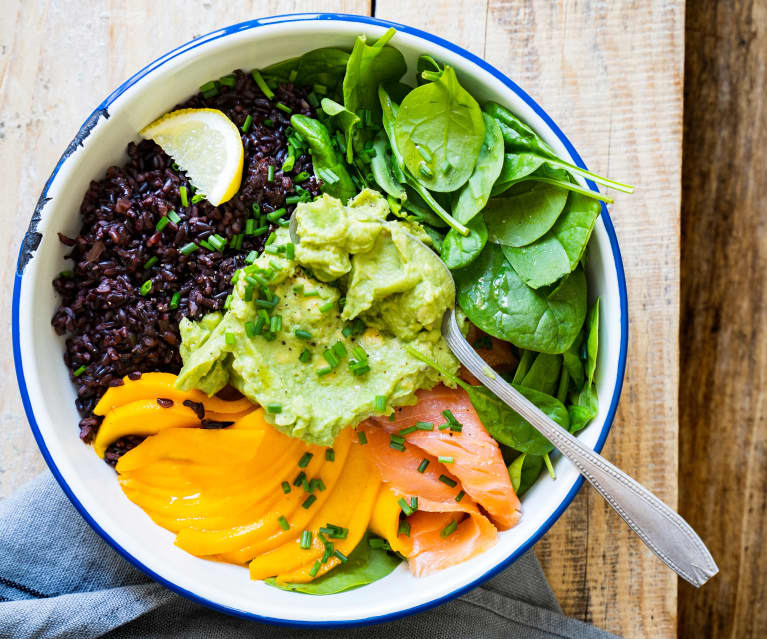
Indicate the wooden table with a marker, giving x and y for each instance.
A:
(610, 74)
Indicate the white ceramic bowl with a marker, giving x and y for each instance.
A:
(48, 394)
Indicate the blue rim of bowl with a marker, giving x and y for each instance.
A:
(302, 17)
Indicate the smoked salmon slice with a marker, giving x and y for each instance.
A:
(477, 460)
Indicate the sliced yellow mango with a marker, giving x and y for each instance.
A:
(348, 495)
(154, 385)
(384, 520)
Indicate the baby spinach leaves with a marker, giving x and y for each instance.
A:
(592, 341)
(473, 196)
(328, 166)
(516, 167)
(440, 130)
(496, 299)
(324, 67)
(343, 120)
(369, 67)
(523, 472)
(381, 166)
(461, 250)
(543, 374)
(558, 252)
(523, 217)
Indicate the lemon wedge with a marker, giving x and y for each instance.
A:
(204, 143)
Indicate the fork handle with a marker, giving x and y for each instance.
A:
(663, 530)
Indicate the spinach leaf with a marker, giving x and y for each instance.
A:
(592, 341)
(363, 566)
(461, 250)
(426, 63)
(381, 167)
(516, 167)
(398, 90)
(495, 298)
(543, 375)
(325, 66)
(508, 427)
(583, 408)
(523, 472)
(439, 131)
(281, 70)
(344, 121)
(522, 218)
(370, 66)
(525, 361)
(436, 238)
(418, 207)
(558, 252)
(473, 196)
(564, 385)
(390, 112)
(330, 168)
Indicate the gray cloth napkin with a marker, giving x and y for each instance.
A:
(58, 578)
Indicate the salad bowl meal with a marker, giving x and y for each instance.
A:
(244, 259)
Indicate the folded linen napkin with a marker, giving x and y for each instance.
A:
(59, 579)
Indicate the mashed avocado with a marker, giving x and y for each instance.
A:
(327, 361)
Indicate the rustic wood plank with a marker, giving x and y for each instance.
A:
(723, 404)
(604, 72)
(57, 61)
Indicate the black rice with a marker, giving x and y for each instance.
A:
(113, 330)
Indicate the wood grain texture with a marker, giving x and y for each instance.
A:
(723, 403)
(604, 72)
(601, 70)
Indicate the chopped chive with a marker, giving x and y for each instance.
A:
(445, 460)
(340, 555)
(375, 542)
(425, 153)
(408, 430)
(330, 357)
(327, 306)
(328, 175)
(425, 170)
(174, 217)
(330, 455)
(191, 247)
(246, 125)
(256, 74)
(358, 351)
(267, 303)
(449, 529)
(261, 230)
(292, 199)
(320, 88)
(208, 86)
(228, 301)
(250, 226)
(290, 251)
(276, 215)
(79, 371)
(315, 569)
(270, 174)
(306, 540)
(335, 532)
(397, 438)
(251, 257)
(284, 107)
(151, 262)
(229, 339)
(227, 81)
(211, 93)
(268, 122)
(362, 437)
(162, 223)
(300, 478)
(423, 465)
(283, 523)
(404, 528)
(66, 274)
(380, 403)
(405, 507)
(311, 293)
(460, 496)
(446, 480)
(392, 417)
(397, 446)
(360, 368)
(285, 487)
(456, 428)
(206, 245)
(174, 300)
(260, 323)
(248, 295)
(302, 334)
(301, 177)
(443, 426)
(321, 372)
(339, 349)
(424, 425)
(447, 167)
(274, 409)
(275, 324)
(198, 197)
(182, 194)
(305, 458)
(256, 208)
(305, 356)
(309, 501)
(146, 287)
